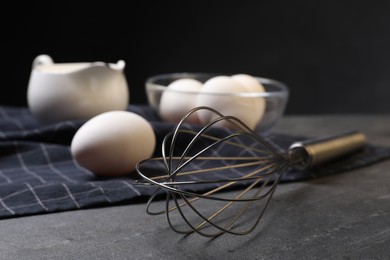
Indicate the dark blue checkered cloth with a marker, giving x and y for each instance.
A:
(38, 174)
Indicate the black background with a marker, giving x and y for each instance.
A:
(333, 55)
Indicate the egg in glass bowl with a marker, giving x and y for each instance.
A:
(257, 101)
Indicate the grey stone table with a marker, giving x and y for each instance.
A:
(344, 216)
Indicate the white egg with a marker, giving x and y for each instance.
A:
(250, 82)
(110, 144)
(253, 85)
(215, 94)
(178, 99)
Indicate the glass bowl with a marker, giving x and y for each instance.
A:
(274, 98)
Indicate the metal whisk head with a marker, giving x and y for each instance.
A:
(196, 168)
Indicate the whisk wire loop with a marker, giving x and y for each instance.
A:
(199, 147)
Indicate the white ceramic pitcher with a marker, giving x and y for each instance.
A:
(68, 91)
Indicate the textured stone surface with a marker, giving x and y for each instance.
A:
(345, 216)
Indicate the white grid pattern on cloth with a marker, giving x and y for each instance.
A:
(58, 199)
(23, 164)
(51, 165)
(8, 180)
(102, 191)
(6, 207)
(38, 174)
(36, 197)
(70, 195)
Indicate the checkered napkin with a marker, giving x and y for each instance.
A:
(38, 174)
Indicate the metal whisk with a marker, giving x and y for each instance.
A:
(195, 168)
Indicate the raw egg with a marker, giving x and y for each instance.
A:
(178, 99)
(228, 96)
(250, 82)
(253, 85)
(112, 143)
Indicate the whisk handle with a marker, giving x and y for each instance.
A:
(310, 153)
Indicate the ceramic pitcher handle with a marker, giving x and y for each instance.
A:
(42, 59)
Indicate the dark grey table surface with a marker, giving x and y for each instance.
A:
(344, 216)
